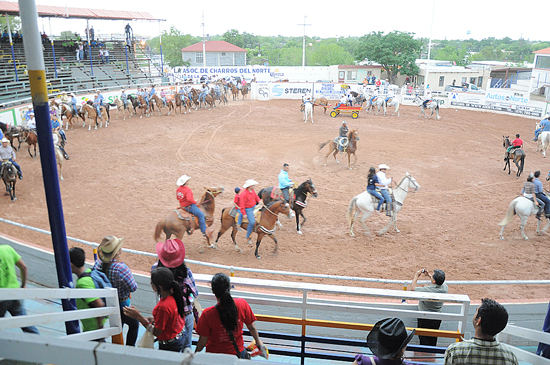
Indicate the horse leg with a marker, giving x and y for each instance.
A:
(349, 160)
(522, 227)
(363, 221)
(298, 222)
(352, 222)
(547, 225)
(258, 241)
(502, 231)
(233, 234)
(276, 243)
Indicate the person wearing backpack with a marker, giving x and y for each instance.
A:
(85, 281)
(120, 276)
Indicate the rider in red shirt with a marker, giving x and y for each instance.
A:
(516, 143)
(249, 199)
(187, 202)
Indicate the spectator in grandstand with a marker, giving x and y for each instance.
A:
(9, 259)
(220, 327)
(85, 281)
(489, 320)
(101, 56)
(171, 255)
(7, 153)
(92, 33)
(109, 262)
(539, 192)
(168, 324)
(437, 285)
(106, 55)
(128, 31)
(388, 341)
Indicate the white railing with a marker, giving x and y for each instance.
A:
(526, 334)
(62, 351)
(111, 310)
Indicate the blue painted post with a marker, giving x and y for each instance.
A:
(11, 45)
(127, 66)
(54, 61)
(89, 47)
(39, 92)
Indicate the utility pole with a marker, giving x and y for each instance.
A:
(203, 43)
(304, 45)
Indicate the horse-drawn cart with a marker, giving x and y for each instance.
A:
(353, 110)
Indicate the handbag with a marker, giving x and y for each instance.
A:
(147, 340)
(245, 354)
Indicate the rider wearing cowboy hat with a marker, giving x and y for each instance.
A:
(185, 197)
(248, 201)
(7, 153)
(343, 133)
(384, 181)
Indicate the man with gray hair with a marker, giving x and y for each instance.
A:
(437, 285)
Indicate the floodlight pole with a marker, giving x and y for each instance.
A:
(429, 47)
(203, 44)
(304, 43)
(89, 46)
(11, 45)
(161, 58)
(39, 92)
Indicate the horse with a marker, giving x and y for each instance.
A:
(234, 91)
(524, 208)
(91, 113)
(142, 105)
(135, 104)
(298, 201)
(543, 142)
(179, 103)
(365, 204)
(158, 101)
(350, 148)
(517, 155)
(308, 111)
(221, 98)
(358, 98)
(9, 176)
(66, 111)
(378, 102)
(121, 109)
(29, 136)
(11, 132)
(195, 98)
(209, 99)
(321, 102)
(59, 157)
(245, 90)
(432, 105)
(393, 102)
(176, 224)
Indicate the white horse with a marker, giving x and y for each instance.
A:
(393, 102)
(524, 208)
(308, 111)
(58, 155)
(378, 102)
(543, 142)
(432, 105)
(365, 203)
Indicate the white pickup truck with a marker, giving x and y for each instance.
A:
(466, 87)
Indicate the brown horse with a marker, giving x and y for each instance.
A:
(29, 136)
(9, 175)
(91, 113)
(142, 106)
(11, 132)
(517, 155)
(120, 108)
(234, 91)
(264, 226)
(160, 104)
(245, 90)
(349, 149)
(195, 98)
(178, 221)
(321, 102)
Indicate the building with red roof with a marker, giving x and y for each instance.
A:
(541, 72)
(218, 53)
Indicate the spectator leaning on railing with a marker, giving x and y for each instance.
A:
(437, 286)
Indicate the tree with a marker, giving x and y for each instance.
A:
(15, 23)
(395, 51)
(452, 53)
(330, 54)
(172, 44)
(232, 36)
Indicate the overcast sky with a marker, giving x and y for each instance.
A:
(463, 19)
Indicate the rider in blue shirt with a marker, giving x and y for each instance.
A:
(373, 182)
(539, 192)
(97, 105)
(284, 182)
(544, 126)
(73, 103)
(124, 98)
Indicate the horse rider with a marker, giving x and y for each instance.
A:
(56, 127)
(529, 191)
(145, 95)
(183, 94)
(428, 98)
(384, 182)
(65, 99)
(101, 98)
(124, 98)
(539, 191)
(7, 153)
(163, 97)
(97, 105)
(31, 123)
(390, 95)
(374, 95)
(249, 199)
(204, 92)
(217, 89)
(237, 203)
(73, 104)
(544, 126)
(516, 143)
(372, 184)
(285, 183)
(152, 92)
(349, 96)
(185, 198)
(57, 143)
(343, 133)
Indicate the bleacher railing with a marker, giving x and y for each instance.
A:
(526, 334)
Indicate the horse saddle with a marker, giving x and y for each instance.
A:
(341, 141)
(184, 215)
(257, 214)
(375, 200)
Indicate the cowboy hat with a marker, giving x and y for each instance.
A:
(72, 94)
(383, 166)
(5, 140)
(171, 253)
(182, 180)
(249, 183)
(388, 337)
(344, 122)
(109, 247)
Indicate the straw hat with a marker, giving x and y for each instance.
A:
(182, 180)
(5, 140)
(383, 166)
(249, 183)
(171, 253)
(109, 247)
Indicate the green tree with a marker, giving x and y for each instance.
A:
(330, 54)
(395, 51)
(15, 23)
(172, 43)
(232, 36)
(452, 53)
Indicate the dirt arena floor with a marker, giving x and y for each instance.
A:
(121, 180)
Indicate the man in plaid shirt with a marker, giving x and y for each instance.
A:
(490, 319)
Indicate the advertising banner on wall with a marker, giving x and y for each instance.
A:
(289, 90)
(262, 73)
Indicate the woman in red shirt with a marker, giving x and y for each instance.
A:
(167, 323)
(221, 327)
(248, 201)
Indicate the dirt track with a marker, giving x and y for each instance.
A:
(122, 180)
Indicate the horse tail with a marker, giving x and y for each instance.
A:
(158, 230)
(351, 208)
(108, 113)
(521, 164)
(510, 214)
(321, 145)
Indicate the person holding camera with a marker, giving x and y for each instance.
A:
(437, 278)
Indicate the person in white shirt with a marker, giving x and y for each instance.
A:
(385, 181)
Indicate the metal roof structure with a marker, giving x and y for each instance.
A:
(214, 46)
(46, 11)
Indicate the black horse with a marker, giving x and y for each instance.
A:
(517, 155)
(11, 133)
(9, 175)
